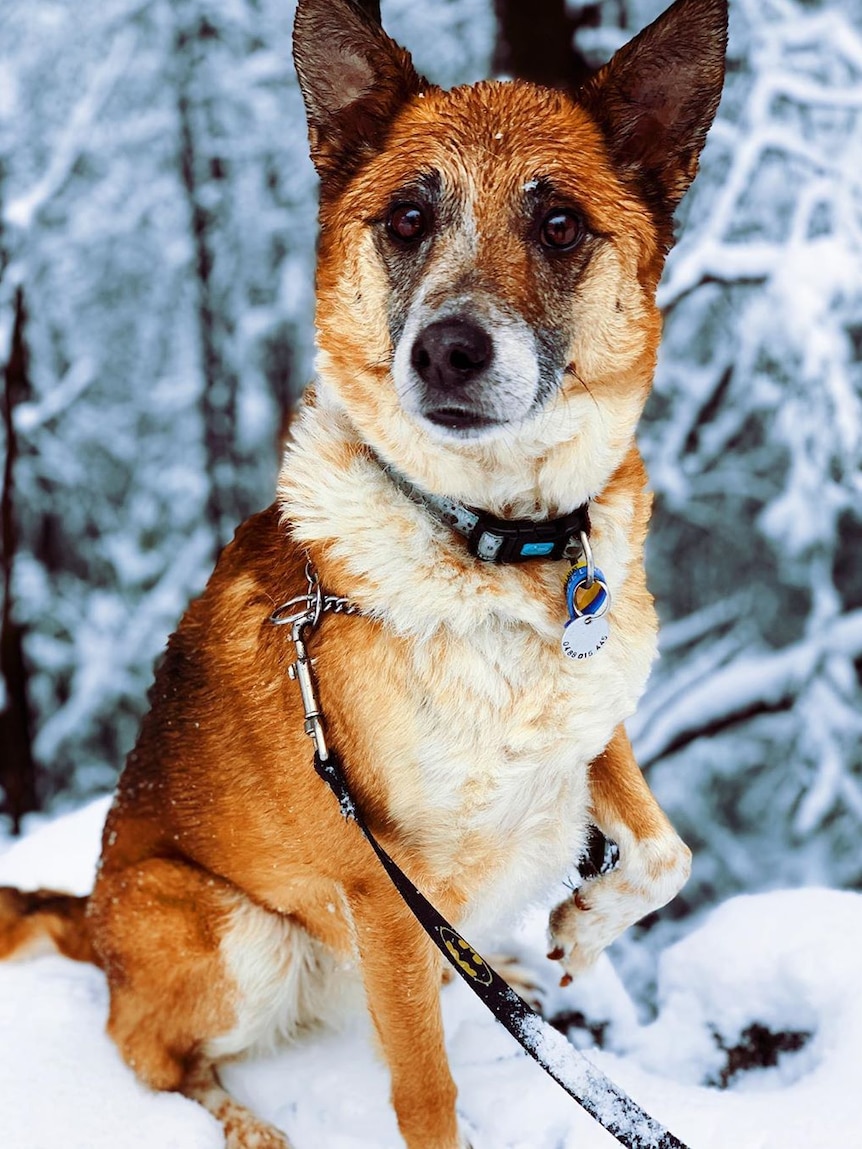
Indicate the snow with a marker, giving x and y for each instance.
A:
(120, 125)
(60, 853)
(63, 1086)
(786, 960)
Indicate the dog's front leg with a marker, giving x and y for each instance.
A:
(401, 972)
(654, 862)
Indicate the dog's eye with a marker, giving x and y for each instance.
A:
(561, 230)
(407, 222)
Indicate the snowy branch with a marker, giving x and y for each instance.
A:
(745, 685)
(23, 209)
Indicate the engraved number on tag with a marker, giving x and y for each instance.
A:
(584, 636)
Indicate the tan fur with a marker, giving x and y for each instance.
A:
(234, 905)
(43, 921)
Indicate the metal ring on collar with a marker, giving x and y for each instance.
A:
(590, 561)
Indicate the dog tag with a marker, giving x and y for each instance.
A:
(588, 601)
(584, 636)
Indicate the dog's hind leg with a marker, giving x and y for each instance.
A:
(242, 1129)
(401, 970)
(653, 866)
(159, 928)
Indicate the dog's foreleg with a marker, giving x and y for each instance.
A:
(654, 862)
(401, 971)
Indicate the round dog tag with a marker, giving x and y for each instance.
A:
(584, 636)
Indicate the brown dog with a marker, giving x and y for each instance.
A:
(487, 333)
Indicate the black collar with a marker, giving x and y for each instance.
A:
(494, 540)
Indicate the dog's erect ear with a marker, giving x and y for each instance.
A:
(353, 79)
(656, 98)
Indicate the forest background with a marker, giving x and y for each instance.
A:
(157, 226)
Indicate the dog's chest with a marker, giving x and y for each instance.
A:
(494, 786)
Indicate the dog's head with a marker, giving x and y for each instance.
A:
(489, 256)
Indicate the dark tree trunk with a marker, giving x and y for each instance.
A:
(17, 767)
(372, 7)
(203, 172)
(536, 41)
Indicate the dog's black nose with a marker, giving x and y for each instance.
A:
(449, 353)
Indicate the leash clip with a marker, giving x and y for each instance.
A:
(310, 607)
(300, 672)
(300, 614)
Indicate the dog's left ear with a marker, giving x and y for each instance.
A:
(656, 99)
(353, 80)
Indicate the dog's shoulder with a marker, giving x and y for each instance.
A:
(261, 568)
(263, 558)
(223, 715)
(225, 648)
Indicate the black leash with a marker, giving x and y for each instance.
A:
(593, 1091)
(597, 1094)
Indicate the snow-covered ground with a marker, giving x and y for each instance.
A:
(785, 963)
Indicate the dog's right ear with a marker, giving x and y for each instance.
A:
(353, 80)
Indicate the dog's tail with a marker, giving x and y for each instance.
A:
(44, 921)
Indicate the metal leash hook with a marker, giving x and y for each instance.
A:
(300, 671)
(301, 613)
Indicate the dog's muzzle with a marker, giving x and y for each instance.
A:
(466, 368)
(450, 357)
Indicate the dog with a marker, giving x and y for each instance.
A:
(487, 337)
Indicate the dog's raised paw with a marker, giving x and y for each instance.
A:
(577, 935)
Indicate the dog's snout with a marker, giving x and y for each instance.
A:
(451, 352)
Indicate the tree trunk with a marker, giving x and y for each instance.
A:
(536, 42)
(201, 174)
(17, 768)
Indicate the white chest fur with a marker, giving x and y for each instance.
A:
(506, 727)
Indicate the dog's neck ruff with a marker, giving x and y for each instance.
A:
(494, 540)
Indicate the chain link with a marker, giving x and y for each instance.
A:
(305, 609)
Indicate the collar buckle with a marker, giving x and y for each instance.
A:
(494, 540)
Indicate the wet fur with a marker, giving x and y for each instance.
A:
(234, 906)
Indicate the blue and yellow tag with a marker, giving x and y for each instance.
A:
(582, 599)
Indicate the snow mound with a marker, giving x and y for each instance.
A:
(60, 854)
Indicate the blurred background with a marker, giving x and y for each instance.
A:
(157, 227)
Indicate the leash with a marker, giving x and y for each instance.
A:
(614, 1110)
